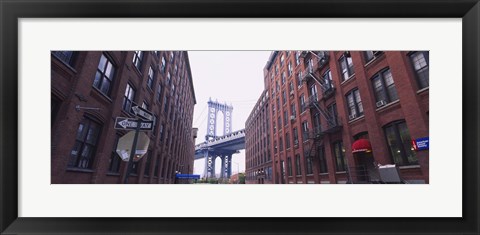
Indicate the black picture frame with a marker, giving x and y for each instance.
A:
(12, 10)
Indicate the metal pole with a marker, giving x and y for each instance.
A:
(132, 152)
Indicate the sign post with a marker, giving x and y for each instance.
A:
(132, 153)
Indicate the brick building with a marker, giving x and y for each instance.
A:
(91, 88)
(338, 115)
(258, 158)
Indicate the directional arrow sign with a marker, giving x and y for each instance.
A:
(124, 123)
(125, 143)
(142, 113)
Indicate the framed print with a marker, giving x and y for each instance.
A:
(81, 180)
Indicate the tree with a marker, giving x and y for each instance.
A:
(241, 178)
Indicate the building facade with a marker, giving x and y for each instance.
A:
(339, 116)
(258, 158)
(91, 88)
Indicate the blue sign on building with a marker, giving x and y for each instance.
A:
(422, 143)
(187, 176)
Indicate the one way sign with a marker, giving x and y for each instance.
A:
(124, 123)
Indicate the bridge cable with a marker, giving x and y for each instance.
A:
(200, 115)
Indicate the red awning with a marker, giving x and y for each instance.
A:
(361, 145)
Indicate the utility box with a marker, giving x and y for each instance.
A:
(389, 174)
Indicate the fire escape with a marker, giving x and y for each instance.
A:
(333, 124)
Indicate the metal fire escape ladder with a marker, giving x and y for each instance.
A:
(310, 72)
(324, 113)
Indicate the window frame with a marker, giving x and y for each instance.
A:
(418, 77)
(81, 143)
(397, 132)
(385, 91)
(356, 105)
(126, 98)
(340, 166)
(349, 69)
(103, 77)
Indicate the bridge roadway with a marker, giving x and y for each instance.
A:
(230, 143)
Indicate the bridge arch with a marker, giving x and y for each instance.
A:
(214, 120)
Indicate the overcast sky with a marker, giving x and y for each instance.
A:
(234, 77)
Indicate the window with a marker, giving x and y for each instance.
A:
(332, 111)
(169, 79)
(290, 69)
(355, 107)
(146, 172)
(305, 131)
(115, 160)
(284, 78)
(83, 152)
(309, 68)
(339, 153)
(157, 163)
(297, 57)
(297, 164)
(104, 76)
(313, 93)
(370, 55)
(159, 93)
(280, 142)
(384, 86)
(128, 98)
(316, 123)
(151, 77)
(162, 126)
(285, 117)
(322, 161)
(327, 79)
(279, 123)
(134, 168)
(284, 97)
(289, 166)
(162, 66)
(299, 79)
(287, 140)
(172, 57)
(65, 56)
(420, 61)
(293, 111)
(137, 59)
(165, 104)
(175, 70)
(291, 87)
(275, 146)
(303, 107)
(55, 106)
(295, 136)
(346, 66)
(282, 59)
(399, 142)
(309, 165)
(145, 105)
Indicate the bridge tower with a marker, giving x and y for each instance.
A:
(214, 107)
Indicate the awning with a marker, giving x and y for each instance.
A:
(361, 145)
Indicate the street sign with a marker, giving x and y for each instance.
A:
(421, 144)
(125, 145)
(124, 123)
(139, 111)
(187, 176)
